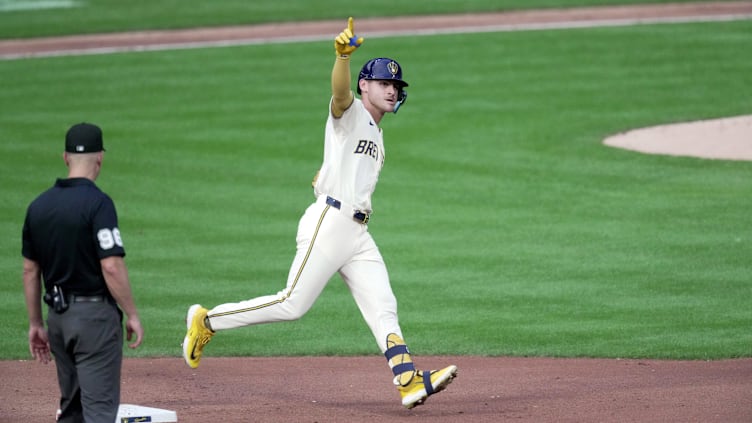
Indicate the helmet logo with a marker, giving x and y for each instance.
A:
(393, 67)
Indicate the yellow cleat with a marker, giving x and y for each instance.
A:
(197, 336)
(426, 383)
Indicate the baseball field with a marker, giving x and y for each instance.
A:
(568, 281)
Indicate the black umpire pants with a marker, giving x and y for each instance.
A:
(87, 343)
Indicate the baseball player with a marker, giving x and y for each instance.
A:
(333, 232)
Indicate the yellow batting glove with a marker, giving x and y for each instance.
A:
(346, 42)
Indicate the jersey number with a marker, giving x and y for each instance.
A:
(109, 238)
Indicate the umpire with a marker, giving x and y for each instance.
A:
(72, 243)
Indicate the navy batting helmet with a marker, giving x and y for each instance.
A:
(384, 68)
(381, 68)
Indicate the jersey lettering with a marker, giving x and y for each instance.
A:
(368, 148)
(109, 238)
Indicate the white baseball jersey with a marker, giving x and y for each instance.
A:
(330, 240)
(353, 157)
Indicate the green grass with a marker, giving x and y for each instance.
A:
(94, 16)
(507, 227)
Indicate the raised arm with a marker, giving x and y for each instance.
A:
(344, 44)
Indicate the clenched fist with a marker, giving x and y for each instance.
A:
(346, 42)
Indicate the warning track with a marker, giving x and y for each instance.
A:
(374, 27)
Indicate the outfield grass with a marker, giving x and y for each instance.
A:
(93, 16)
(507, 227)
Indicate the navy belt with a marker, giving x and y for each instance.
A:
(360, 216)
(88, 298)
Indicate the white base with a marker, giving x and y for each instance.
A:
(129, 413)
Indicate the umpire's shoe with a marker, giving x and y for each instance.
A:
(426, 383)
(197, 336)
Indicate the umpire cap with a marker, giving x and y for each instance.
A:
(84, 138)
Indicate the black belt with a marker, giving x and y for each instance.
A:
(360, 216)
(88, 298)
